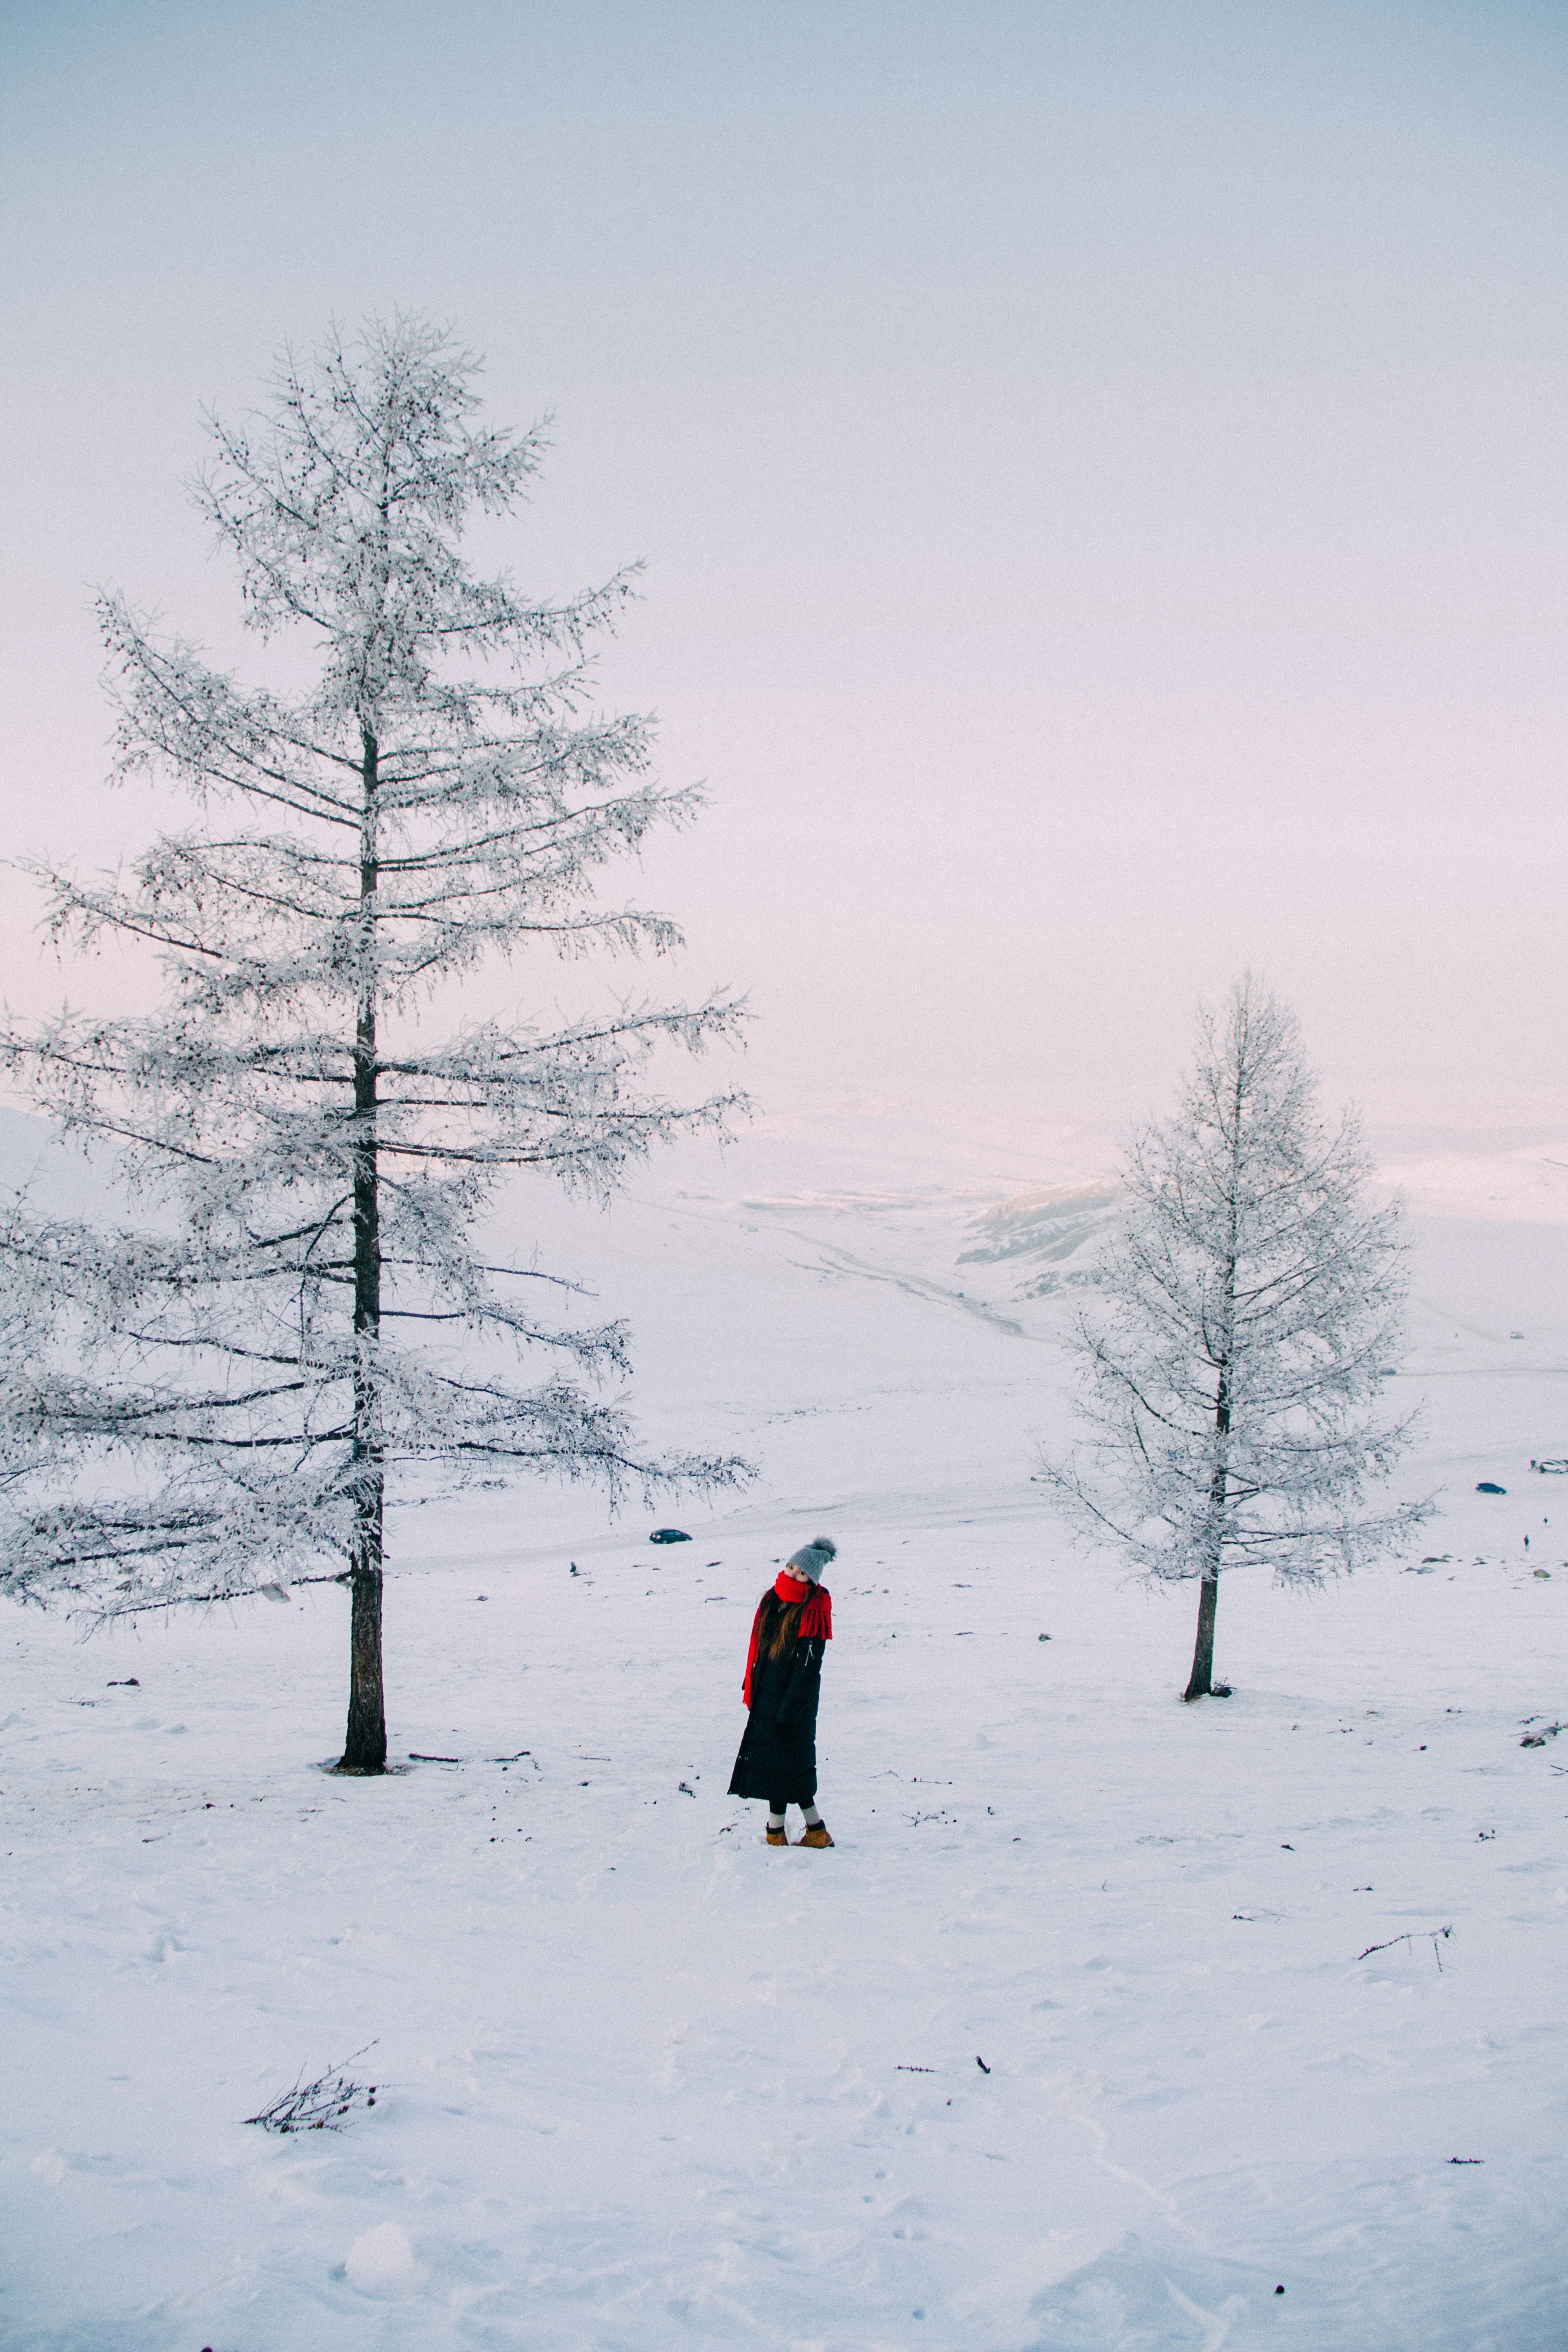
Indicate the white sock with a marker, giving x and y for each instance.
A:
(811, 1817)
(775, 1820)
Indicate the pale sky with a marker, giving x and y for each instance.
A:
(1100, 469)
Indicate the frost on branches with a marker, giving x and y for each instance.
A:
(1238, 1333)
(217, 1399)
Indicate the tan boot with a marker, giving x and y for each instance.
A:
(818, 1836)
(776, 1837)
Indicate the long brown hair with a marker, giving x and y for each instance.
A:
(780, 1625)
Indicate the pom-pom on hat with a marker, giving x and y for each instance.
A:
(812, 1560)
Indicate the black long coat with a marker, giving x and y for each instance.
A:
(778, 1750)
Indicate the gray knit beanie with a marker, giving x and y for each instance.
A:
(812, 1560)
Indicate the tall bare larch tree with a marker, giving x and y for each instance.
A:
(214, 1396)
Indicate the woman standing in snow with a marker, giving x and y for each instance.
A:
(793, 1625)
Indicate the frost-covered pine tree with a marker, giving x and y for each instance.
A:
(214, 1396)
(1237, 1332)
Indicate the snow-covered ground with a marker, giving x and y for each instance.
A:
(1077, 2039)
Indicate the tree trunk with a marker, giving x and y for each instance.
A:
(1201, 1682)
(365, 1749)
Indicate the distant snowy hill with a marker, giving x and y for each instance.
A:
(57, 1178)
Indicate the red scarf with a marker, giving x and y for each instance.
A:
(816, 1618)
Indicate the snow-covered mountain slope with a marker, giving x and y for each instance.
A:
(1105, 2017)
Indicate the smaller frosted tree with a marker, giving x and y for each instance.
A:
(1237, 1332)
